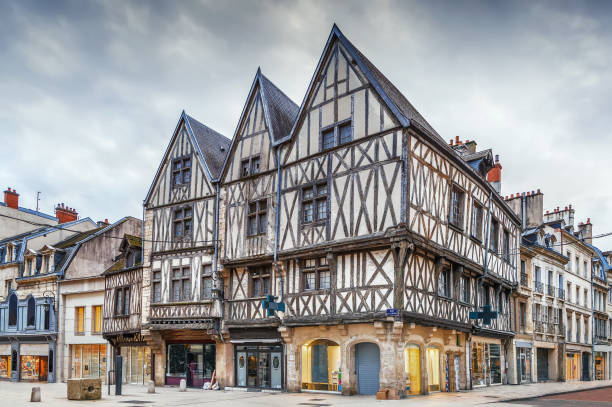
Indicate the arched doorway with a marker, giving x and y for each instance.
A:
(367, 358)
(320, 365)
(412, 367)
(433, 368)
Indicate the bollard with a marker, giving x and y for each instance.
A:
(151, 386)
(35, 396)
(183, 385)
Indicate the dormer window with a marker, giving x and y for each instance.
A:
(339, 134)
(181, 171)
(250, 166)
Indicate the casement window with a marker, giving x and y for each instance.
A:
(494, 238)
(79, 320)
(585, 269)
(477, 214)
(316, 274)
(487, 295)
(259, 278)
(156, 282)
(181, 171)
(181, 284)
(522, 315)
(314, 203)
(207, 282)
(464, 289)
(31, 314)
(444, 283)
(122, 301)
(250, 166)
(500, 303)
(183, 222)
(577, 270)
(506, 246)
(257, 220)
(337, 135)
(12, 317)
(96, 319)
(456, 207)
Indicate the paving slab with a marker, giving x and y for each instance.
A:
(54, 395)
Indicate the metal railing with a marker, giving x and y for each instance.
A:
(561, 294)
(539, 287)
(524, 279)
(550, 290)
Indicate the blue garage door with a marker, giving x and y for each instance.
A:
(368, 368)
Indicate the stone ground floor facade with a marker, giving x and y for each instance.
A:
(357, 358)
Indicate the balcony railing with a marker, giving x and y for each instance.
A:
(550, 290)
(539, 287)
(524, 279)
(550, 328)
(561, 293)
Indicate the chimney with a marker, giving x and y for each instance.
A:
(11, 198)
(471, 145)
(65, 214)
(586, 230)
(494, 175)
(103, 223)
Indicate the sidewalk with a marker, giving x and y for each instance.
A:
(54, 394)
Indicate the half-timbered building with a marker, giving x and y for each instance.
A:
(384, 238)
(248, 214)
(181, 312)
(123, 312)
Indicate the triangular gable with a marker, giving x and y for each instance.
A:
(185, 132)
(266, 109)
(358, 69)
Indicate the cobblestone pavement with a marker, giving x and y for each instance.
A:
(54, 394)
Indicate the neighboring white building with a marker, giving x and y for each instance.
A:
(577, 318)
(15, 220)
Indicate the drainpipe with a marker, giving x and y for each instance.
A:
(216, 278)
(486, 256)
(277, 216)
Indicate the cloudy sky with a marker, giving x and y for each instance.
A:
(90, 92)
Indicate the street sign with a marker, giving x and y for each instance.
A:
(392, 312)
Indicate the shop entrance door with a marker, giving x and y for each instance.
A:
(586, 366)
(242, 368)
(276, 370)
(542, 355)
(368, 368)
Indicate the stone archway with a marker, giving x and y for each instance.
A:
(321, 365)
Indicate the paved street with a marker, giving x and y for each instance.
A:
(17, 394)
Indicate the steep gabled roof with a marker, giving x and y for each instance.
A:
(400, 107)
(212, 146)
(71, 241)
(279, 110)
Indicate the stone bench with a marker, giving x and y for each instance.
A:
(84, 389)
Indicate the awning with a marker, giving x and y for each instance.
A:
(266, 340)
(523, 344)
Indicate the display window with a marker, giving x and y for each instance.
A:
(433, 369)
(34, 368)
(600, 366)
(321, 366)
(88, 361)
(136, 364)
(5, 367)
(486, 364)
(572, 366)
(412, 365)
(193, 362)
(523, 364)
